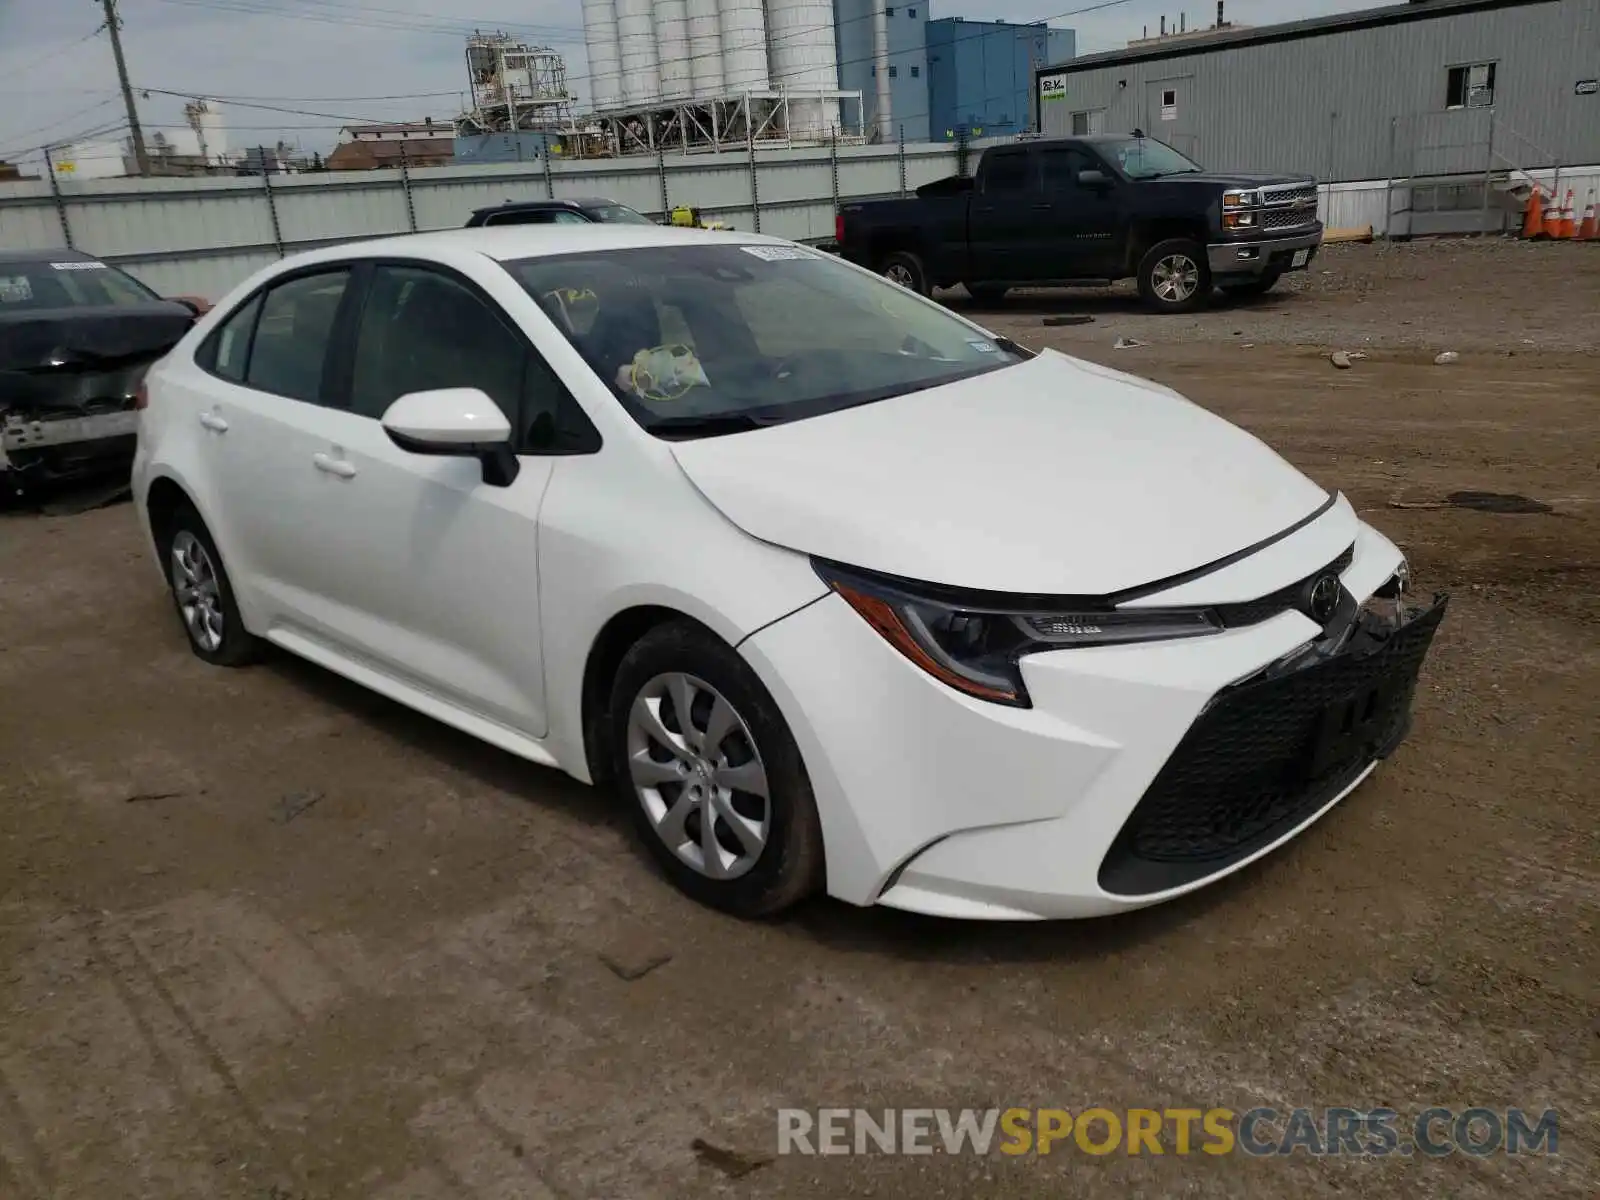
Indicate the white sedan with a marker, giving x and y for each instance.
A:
(836, 588)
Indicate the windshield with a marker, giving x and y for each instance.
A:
(1146, 158)
(618, 214)
(68, 284)
(703, 339)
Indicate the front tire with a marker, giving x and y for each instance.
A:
(1174, 276)
(712, 775)
(906, 269)
(202, 594)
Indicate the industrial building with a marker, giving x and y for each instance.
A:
(895, 97)
(980, 74)
(1436, 93)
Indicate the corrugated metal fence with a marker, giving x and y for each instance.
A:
(201, 236)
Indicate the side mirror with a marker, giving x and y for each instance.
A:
(198, 305)
(1093, 177)
(457, 423)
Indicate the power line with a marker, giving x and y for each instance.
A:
(36, 63)
(63, 120)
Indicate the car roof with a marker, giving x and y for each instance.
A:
(505, 243)
(543, 202)
(61, 254)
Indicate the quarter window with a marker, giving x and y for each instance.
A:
(290, 346)
(421, 329)
(228, 349)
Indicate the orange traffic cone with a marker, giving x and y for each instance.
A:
(1569, 223)
(1552, 217)
(1590, 229)
(1533, 215)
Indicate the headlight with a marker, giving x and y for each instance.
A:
(1241, 199)
(1238, 220)
(974, 646)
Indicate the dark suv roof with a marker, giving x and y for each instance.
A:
(59, 254)
(571, 203)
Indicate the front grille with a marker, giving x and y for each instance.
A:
(1290, 195)
(1264, 755)
(1287, 218)
(1252, 612)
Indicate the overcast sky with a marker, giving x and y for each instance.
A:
(336, 58)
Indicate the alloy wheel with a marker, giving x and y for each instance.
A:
(698, 774)
(901, 274)
(1176, 278)
(194, 585)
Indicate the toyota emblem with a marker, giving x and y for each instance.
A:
(1322, 600)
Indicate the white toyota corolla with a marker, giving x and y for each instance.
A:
(837, 588)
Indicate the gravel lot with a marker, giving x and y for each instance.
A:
(266, 936)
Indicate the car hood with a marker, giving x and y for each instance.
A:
(1236, 179)
(1054, 476)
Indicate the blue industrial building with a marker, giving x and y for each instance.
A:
(908, 63)
(980, 74)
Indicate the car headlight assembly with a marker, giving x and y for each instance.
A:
(975, 647)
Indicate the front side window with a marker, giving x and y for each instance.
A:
(703, 338)
(290, 346)
(1061, 167)
(1146, 158)
(421, 329)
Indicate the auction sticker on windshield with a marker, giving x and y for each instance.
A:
(776, 253)
(15, 289)
(79, 266)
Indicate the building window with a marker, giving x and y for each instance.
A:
(916, 72)
(894, 72)
(889, 12)
(912, 13)
(1470, 86)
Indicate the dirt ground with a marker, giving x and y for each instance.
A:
(266, 936)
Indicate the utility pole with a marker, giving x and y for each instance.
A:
(113, 27)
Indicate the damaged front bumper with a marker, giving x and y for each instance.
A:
(62, 446)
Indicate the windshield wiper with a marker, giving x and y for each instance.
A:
(710, 425)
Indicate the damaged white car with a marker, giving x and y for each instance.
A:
(833, 587)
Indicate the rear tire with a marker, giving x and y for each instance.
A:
(694, 780)
(906, 269)
(987, 293)
(1174, 276)
(201, 592)
(1259, 286)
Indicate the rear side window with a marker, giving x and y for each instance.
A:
(1007, 173)
(291, 338)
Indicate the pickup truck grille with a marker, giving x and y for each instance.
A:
(1287, 218)
(1289, 206)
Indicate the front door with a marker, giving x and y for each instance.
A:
(440, 582)
(1085, 219)
(1169, 113)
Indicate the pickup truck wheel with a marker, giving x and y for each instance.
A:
(1258, 286)
(1174, 276)
(906, 270)
(987, 293)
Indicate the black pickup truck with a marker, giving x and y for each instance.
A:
(1094, 208)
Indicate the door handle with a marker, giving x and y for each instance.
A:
(334, 466)
(213, 422)
(1044, 206)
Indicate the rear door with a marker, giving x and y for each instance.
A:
(1008, 215)
(1084, 231)
(264, 417)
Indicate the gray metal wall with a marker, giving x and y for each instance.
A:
(1366, 103)
(203, 236)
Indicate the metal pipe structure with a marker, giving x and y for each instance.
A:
(884, 119)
